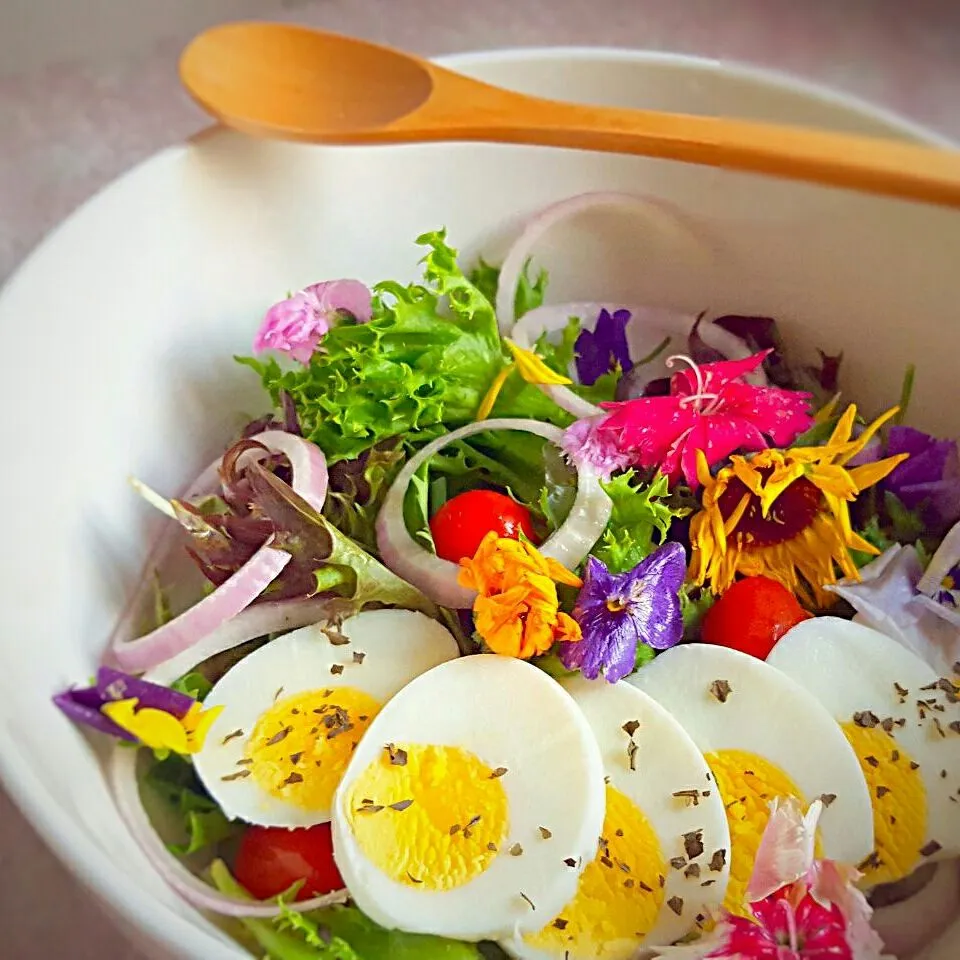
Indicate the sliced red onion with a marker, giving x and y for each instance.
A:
(907, 926)
(546, 219)
(258, 620)
(436, 577)
(647, 328)
(123, 775)
(309, 480)
(205, 616)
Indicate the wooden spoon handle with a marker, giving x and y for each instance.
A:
(463, 109)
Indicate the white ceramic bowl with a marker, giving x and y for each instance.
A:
(119, 332)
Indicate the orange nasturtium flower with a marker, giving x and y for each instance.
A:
(516, 609)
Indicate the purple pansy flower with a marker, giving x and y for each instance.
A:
(83, 705)
(929, 480)
(296, 326)
(604, 348)
(616, 612)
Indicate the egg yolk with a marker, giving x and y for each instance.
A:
(429, 817)
(747, 785)
(620, 894)
(300, 747)
(899, 801)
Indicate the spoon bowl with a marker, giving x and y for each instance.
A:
(294, 83)
(274, 80)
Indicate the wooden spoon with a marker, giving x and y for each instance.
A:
(292, 83)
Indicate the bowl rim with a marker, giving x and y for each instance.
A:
(88, 864)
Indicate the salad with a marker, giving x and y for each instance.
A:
(548, 631)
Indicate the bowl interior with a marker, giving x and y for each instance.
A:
(146, 293)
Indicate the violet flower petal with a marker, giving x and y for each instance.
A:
(76, 705)
(116, 685)
(618, 612)
(599, 350)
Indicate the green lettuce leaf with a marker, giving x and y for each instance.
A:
(194, 685)
(427, 357)
(175, 783)
(338, 933)
(342, 563)
(530, 292)
(641, 516)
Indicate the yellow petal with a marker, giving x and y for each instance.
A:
(198, 723)
(153, 728)
(730, 524)
(865, 437)
(747, 474)
(532, 368)
(843, 429)
(871, 473)
(776, 484)
(834, 480)
(487, 404)
(703, 469)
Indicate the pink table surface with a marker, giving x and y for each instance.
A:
(67, 128)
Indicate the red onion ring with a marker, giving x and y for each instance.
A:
(543, 221)
(436, 577)
(280, 616)
(309, 480)
(656, 324)
(123, 776)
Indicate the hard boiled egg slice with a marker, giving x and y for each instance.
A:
(662, 862)
(903, 722)
(294, 710)
(763, 736)
(472, 804)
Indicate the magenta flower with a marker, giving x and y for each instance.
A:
(618, 612)
(588, 447)
(800, 908)
(296, 326)
(709, 408)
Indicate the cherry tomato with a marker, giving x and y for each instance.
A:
(272, 859)
(461, 523)
(752, 616)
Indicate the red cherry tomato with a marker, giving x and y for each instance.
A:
(272, 859)
(752, 616)
(461, 523)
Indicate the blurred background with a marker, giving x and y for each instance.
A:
(89, 87)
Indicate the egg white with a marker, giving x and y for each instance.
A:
(508, 714)
(851, 668)
(775, 718)
(666, 762)
(397, 645)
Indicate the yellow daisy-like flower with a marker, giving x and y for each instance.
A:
(785, 514)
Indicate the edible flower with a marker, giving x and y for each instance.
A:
(138, 711)
(530, 367)
(710, 412)
(516, 610)
(886, 598)
(618, 612)
(588, 447)
(784, 514)
(296, 326)
(604, 348)
(798, 908)
(929, 481)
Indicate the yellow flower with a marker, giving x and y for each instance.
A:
(516, 609)
(784, 514)
(530, 367)
(160, 730)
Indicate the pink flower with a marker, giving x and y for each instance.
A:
(296, 326)
(587, 446)
(709, 408)
(801, 908)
